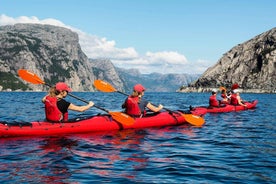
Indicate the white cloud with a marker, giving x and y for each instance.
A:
(167, 57)
(6, 20)
(96, 47)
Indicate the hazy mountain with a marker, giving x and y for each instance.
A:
(155, 81)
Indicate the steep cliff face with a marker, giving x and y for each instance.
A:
(251, 64)
(53, 53)
(105, 70)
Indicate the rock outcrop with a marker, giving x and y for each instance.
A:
(52, 52)
(251, 64)
(105, 70)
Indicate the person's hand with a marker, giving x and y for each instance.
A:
(43, 99)
(90, 104)
(160, 106)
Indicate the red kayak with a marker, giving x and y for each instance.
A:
(88, 124)
(226, 108)
(199, 111)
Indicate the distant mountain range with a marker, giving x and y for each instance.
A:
(125, 79)
(155, 81)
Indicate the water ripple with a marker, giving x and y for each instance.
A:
(236, 147)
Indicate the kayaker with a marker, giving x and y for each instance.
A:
(236, 99)
(136, 106)
(51, 93)
(224, 96)
(56, 108)
(213, 102)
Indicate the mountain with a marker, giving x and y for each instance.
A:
(105, 70)
(155, 81)
(51, 52)
(125, 79)
(251, 64)
(54, 54)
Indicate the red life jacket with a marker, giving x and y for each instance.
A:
(51, 110)
(223, 96)
(65, 116)
(132, 107)
(213, 101)
(225, 99)
(234, 99)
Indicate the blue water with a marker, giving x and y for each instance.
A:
(236, 147)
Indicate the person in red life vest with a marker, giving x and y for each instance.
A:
(56, 108)
(136, 106)
(236, 99)
(50, 101)
(213, 102)
(224, 96)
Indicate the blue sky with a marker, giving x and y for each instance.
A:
(166, 36)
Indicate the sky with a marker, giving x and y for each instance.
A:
(164, 36)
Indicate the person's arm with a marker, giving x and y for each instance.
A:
(240, 101)
(154, 108)
(80, 108)
(43, 99)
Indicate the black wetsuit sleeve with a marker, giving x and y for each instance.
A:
(63, 105)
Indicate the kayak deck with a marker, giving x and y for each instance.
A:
(227, 108)
(89, 124)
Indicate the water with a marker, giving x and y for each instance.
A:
(236, 147)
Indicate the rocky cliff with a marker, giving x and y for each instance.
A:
(105, 70)
(251, 64)
(53, 53)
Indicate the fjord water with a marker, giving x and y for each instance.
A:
(236, 147)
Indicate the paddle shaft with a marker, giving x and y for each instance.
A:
(87, 102)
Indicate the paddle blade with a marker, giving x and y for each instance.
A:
(122, 118)
(222, 88)
(193, 119)
(30, 77)
(104, 86)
